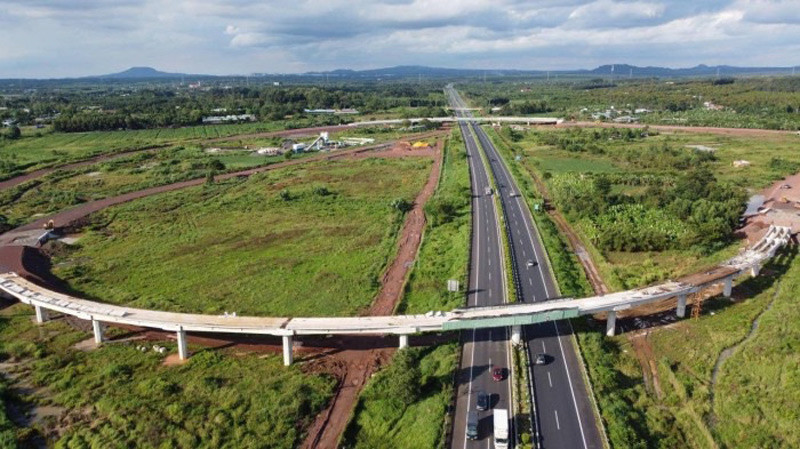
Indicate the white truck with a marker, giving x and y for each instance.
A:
(501, 428)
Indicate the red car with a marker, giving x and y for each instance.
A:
(498, 374)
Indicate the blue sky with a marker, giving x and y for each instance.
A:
(87, 37)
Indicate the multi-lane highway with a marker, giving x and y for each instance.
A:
(483, 348)
(564, 415)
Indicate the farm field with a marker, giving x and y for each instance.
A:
(636, 171)
(305, 240)
(405, 404)
(119, 396)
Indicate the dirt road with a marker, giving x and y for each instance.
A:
(753, 132)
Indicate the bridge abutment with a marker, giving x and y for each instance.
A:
(727, 287)
(516, 335)
(98, 329)
(42, 314)
(681, 312)
(403, 341)
(611, 323)
(288, 355)
(183, 348)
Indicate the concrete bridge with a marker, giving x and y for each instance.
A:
(503, 119)
(45, 301)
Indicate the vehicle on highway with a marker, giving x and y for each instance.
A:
(472, 425)
(497, 374)
(488, 190)
(513, 194)
(541, 359)
(530, 263)
(501, 429)
(484, 400)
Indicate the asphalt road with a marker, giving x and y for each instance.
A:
(484, 348)
(565, 418)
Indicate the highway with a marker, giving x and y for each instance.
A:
(482, 348)
(564, 416)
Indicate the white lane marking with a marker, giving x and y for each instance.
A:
(550, 379)
(490, 293)
(490, 276)
(523, 253)
(543, 348)
(558, 425)
(490, 262)
(571, 389)
(530, 281)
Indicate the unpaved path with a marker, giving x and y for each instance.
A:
(359, 366)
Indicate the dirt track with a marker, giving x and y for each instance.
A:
(356, 367)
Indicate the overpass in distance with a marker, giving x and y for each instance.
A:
(45, 300)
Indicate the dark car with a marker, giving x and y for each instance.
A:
(498, 374)
(541, 359)
(472, 425)
(483, 400)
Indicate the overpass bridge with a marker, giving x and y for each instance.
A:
(44, 301)
(502, 119)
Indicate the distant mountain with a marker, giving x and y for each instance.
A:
(141, 73)
(699, 70)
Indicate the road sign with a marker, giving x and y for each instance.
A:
(452, 285)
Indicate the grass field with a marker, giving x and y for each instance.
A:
(625, 270)
(382, 418)
(65, 188)
(118, 396)
(246, 246)
(43, 149)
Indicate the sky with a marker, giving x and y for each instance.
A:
(70, 38)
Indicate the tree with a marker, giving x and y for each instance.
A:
(285, 195)
(210, 177)
(216, 164)
(14, 133)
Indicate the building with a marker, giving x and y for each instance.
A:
(229, 118)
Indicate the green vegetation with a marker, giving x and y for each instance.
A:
(405, 404)
(412, 414)
(444, 251)
(748, 403)
(241, 246)
(118, 396)
(648, 207)
(756, 102)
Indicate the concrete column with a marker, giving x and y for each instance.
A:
(611, 323)
(403, 341)
(288, 356)
(97, 328)
(183, 349)
(41, 314)
(516, 334)
(726, 289)
(681, 306)
(755, 269)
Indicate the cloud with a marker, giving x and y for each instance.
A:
(56, 38)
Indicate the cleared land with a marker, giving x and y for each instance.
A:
(424, 376)
(118, 396)
(309, 240)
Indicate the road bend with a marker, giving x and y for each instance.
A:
(483, 348)
(564, 413)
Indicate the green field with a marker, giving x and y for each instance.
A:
(304, 240)
(65, 188)
(622, 161)
(44, 149)
(118, 396)
(415, 418)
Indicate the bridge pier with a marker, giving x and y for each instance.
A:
(681, 312)
(41, 314)
(727, 287)
(403, 341)
(183, 349)
(288, 355)
(611, 323)
(516, 334)
(98, 328)
(755, 269)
